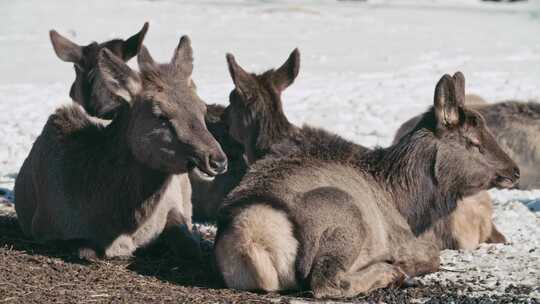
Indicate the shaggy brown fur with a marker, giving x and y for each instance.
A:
(89, 91)
(88, 88)
(262, 117)
(471, 224)
(256, 119)
(516, 126)
(281, 139)
(207, 196)
(339, 221)
(115, 188)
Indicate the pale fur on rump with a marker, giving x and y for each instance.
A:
(247, 255)
(354, 211)
(471, 221)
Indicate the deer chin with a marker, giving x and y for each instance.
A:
(502, 182)
(201, 174)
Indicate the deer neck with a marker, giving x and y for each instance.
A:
(267, 133)
(109, 165)
(406, 171)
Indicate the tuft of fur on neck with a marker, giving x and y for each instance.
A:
(407, 171)
(98, 161)
(271, 123)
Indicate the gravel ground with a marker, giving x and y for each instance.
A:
(33, 273)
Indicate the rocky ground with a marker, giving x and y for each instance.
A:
(34, 273)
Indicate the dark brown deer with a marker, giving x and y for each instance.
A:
(116, 187)
(250, 121)
(339, 220)
(89, 91)
(88, 88)
(516, 126)
(208, 193)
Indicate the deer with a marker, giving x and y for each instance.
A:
(114, 187)
(515, 125)
(88, 88)
(334, 217)
(471, 223)
(90, 92)
(208, 193)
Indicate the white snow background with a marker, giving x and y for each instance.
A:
(366, 68)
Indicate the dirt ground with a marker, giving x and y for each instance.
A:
(34, 273)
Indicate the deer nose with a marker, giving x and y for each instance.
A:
(218, 165)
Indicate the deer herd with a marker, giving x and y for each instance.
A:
(139, 154)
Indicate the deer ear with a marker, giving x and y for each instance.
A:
(132, 45)
(146, 62)
(243, 81)
(459, 84)
(119, 78)
(286, 74)
(183, 57)
(446, 106)
(64, 48)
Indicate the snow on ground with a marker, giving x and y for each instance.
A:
(366, 68)
(493, 267)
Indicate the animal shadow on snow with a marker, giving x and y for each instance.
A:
(532, 204)
(156, 260)
(6, 194)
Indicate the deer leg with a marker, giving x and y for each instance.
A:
(336, 274)
(180, 238)
(332, 282)
(121, 248)
(417, 257)
(496, 237)
(375, 276)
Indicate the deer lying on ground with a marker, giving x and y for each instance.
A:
(338, 219)
(116, 187)
(91, 93)
(88, 88)
(263, 128)
(207, 194)
(516, 126)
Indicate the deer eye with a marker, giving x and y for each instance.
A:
(162, 117)
(474, 142)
